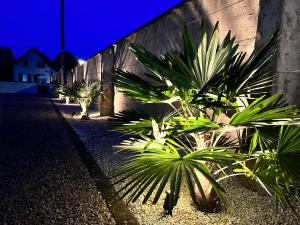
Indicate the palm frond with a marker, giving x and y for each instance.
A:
(243, 75)
(211, 58)
(288, 150)
(182, 125)
(277, 169)
(147, 91)
(160, 168)
(81, 89)
(261, 113)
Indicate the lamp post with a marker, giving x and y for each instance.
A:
(62, 40)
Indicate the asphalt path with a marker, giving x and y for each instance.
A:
(42, 178)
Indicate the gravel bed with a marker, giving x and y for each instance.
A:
(243, 206)
(42, 177)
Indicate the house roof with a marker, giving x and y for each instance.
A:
(42, 55)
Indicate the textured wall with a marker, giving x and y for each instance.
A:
(252, 21)
(107, 99)
(269, 19)
(164, 34)
(288, 64)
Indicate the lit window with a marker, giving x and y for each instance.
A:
(25, 77)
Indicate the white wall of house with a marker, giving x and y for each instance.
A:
(34, 66)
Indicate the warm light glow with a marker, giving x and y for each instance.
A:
(80, 61)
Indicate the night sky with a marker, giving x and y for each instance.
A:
(90, 25)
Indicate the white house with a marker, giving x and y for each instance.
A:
(33, 67)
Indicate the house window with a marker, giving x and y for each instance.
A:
(40, 78)
(24, 77)
(40, 64)
(25, 63)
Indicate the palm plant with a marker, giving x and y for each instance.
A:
(223, 116)
(84, 92)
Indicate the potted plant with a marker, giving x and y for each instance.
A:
(83, 92)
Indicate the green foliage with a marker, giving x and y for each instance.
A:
(259, 113)
(81, 89)
(83, 92)
(160, 164)
(277, 168)
(204, 84)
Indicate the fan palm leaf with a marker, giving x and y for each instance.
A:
(160, 168)
(259, 113)
(277, 168)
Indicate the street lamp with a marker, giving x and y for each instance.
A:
(62, 40)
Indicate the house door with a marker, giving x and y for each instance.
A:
(24, 77)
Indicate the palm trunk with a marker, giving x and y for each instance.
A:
(84, 104)
(210, 201)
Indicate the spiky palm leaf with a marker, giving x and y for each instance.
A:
(277, 167)
(137, 122)
(176, 75)
(82, 89)
(160, 166)
(243, 78)
(260, 113)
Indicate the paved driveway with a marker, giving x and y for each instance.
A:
(42, 178)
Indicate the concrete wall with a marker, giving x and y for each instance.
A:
(107, 99)
(251, 21)
(288, 63)
(164, 34)
(269, 19)
(24, 88)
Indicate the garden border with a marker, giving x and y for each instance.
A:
(119, 210)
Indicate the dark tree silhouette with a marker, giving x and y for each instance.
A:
(70, 61)
(6, 64)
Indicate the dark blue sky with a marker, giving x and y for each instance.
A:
(90, 25)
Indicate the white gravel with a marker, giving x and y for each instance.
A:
(243, 206)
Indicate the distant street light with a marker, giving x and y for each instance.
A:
(81, 62)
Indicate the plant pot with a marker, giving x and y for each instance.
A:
(249, 183)
(67, 100)
(85, 104)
